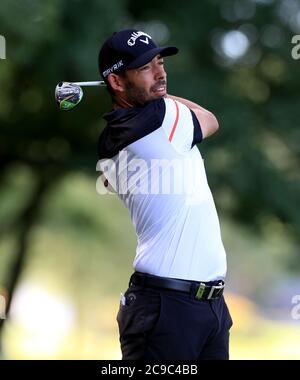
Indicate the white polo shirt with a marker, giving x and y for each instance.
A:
(148, 155)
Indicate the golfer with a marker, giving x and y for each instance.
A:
(174, 306)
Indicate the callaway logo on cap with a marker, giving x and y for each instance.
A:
(129, 49)
(136, 35)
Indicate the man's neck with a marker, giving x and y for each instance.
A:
(121, 103)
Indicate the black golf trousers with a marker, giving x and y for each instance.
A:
(160, 324)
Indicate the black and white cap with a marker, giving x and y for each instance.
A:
(129, 49)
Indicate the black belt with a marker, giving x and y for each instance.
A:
(200, 290)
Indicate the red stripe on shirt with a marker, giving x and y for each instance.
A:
(175, 123)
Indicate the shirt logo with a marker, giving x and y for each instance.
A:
(136, 35)
(112, 68)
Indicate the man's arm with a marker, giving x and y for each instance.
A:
(208, 122)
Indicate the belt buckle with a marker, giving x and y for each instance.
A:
(213, 288)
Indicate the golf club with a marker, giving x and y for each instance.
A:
(69, 94)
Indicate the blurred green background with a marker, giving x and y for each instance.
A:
(66, 252)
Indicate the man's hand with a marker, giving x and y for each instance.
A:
(208, 122)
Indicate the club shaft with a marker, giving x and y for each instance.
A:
(92, 83)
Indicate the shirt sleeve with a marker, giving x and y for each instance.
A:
(197, 135)
(127, 125)
(181, 126)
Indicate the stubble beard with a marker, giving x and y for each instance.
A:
(138, 96)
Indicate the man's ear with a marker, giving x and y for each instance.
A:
(116, 82)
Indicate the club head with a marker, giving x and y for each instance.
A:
(68, 95)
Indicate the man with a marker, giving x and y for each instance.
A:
(174, 306)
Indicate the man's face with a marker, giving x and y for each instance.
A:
(146, 83)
